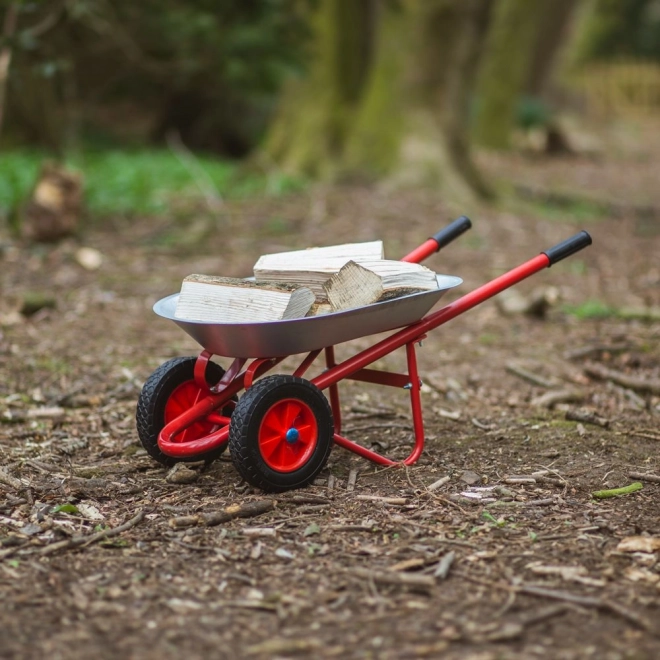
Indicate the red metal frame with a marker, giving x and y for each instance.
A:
(354, 368)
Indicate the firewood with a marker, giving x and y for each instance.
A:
(314, 266)
(229, 300)
(367, 282)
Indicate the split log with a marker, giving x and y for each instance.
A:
(314, 266)
(367, 282)
(230, 300)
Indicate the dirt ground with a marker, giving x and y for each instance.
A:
(510, 558)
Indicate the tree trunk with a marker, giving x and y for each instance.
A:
(308, 134)
(8, 30)
(555, 17)
(505, 69)
(412, 125)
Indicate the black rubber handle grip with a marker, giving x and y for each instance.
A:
(568, 247)
(452, 231)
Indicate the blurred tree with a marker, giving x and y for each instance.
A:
(407, 114)
(204, 69)
(554, 19)
(316, 111)
(505, 70)
(621, 28)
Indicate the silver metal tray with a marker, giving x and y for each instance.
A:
(281, 338)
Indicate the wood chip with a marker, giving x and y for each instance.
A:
(352, 479)
(437, 484)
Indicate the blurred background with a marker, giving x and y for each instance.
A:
(143, 107)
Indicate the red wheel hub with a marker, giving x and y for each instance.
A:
(184, 397)
(288, 435)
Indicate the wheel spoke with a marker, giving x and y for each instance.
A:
(293, 410)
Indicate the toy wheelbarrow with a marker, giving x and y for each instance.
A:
(281, 430)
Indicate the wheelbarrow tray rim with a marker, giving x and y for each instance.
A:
(292, 336)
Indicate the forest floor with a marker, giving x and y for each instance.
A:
(511, 557)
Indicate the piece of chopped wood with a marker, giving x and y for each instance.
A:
(313, 266)
(358, 284)
(352, 479)
(229, 300)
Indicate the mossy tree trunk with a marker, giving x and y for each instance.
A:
(503, 75)
(555, 18)
(309, 131)
(409, 119)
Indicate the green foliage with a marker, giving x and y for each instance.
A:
(137, 182)
(532, 113)
(622, 28)
(208, 69)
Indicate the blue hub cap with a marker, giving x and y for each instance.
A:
(292, 435)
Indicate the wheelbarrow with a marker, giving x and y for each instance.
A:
(282, 428)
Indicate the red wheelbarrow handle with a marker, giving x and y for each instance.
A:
(439, 240)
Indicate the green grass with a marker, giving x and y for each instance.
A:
(591, 309)
(137, 182)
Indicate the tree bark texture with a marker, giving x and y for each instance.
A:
(505, 70)
(409, 120)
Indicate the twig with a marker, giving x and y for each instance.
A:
(384, 500)
(584, 601)
(437, 484)
(615, 492)
(645, 477)
(198, 173)
(247, 510)
(547, 501)
(588, 351)
(636, 384)
(83, 541)
(10, 481)
(442, 569)
(552, 398)
(587, 417)
(529, 376)
(411, 580)
(646, 434)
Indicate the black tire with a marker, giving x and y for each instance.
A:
(159, 387)
(245, 431)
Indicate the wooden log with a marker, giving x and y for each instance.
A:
(229, 300)
(370, 281)
(314, 266)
